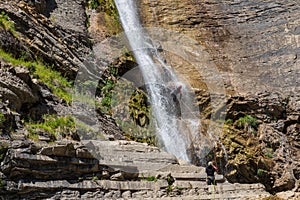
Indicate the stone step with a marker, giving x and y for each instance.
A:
(190, 190)
(89, 185)
(190, 184)
(19, 164)
(183, 176)
(183, 168)
(222, 191)
(125, 155)
(133, 167)
(235, 196)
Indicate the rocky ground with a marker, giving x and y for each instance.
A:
(121, 170)
(253, 45)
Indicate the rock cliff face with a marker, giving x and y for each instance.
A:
(254, 44)
(255, 47)
(56, 34)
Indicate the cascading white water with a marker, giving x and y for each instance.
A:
(157, 77)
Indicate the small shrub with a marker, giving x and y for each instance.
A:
(150, 178)
(261, 172)
(95, 178)
(139, 109)
(229, 122)
(105, 104)
(170, 180)
(269, 153)
(150, 140)
(169, 189)
(247, 121)
(93, 4)
(107, 87)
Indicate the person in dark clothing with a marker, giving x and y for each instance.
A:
(175, 92)
(210, 171)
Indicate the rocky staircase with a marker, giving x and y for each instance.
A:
(109, 170)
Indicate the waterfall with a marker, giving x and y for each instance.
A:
(159, 79)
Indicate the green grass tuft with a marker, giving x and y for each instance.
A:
(53, 124)
(7, 24)
(150, 178)
(58, 84)
(269, 152)
(261, 172)
(247, 121)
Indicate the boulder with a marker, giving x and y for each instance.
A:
(285, 182)
(16, 91)
(52, 162)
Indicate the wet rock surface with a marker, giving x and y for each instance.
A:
(255, 48)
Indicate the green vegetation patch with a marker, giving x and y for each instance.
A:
(261, 172)
(142, 138)
(247, 121)
(106, 92)
(149, 178)
(55, 126)
(93, 4)
(2, 118)
(59, 85)
(129, 108)
(269, 152)
(110, 11)
(7, 24)
(139, 108)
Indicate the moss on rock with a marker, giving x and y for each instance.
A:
(247, 162)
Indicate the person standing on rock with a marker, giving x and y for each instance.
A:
(210, 171)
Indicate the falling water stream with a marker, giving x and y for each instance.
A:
(157, 76)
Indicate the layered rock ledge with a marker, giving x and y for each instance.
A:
(129, 171)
